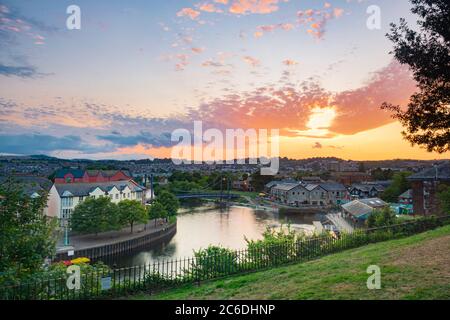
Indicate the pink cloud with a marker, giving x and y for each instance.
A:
(287, 26)
(251, 61)
(253, 6)
(183, 62)
(272, 27)
(188, 12)
(316, 20)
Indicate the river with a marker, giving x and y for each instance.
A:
(202, 226)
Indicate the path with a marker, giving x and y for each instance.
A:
(340, 223)
(82, 242)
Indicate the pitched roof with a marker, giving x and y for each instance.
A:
(84, 189)
(407, 194)
(106, 173)
(362, 187)
(311, 187)
(29, 184)
(333, 186)
(272, 184)
(379, 188)
(367, 187)
(440, 172)
(362, 207)
(286, 186)
(373, 202)
(77, 173)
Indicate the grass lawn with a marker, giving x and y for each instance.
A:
(417, 267)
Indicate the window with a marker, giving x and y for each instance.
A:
(117, 196)
(67, 202)
(66, 213)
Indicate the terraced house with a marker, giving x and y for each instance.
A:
(301, 194)
(63, 198)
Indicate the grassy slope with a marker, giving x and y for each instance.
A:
(412, 268)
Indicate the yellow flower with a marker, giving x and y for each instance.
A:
(81, 260)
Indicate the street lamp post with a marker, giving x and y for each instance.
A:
(66, 232)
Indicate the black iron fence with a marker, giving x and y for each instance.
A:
(103, 282)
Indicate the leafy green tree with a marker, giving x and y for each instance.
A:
(157, 211)
(27, 236)
(93, 216)
(275, 246)
(259, 181)
(132, 212)
(399, 185)
(444, 198)
(169, 202)
(381, 218)
(380, 174)
(426, 50)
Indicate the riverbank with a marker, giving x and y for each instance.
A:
(411, 268)
(116, 242)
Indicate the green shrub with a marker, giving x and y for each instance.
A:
(213, 262)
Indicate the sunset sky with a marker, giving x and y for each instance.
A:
(139, 69)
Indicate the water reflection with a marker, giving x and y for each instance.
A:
(203, 226)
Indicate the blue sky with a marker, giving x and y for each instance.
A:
(143, 68)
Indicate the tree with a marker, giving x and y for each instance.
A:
(380, 174)
(362, 167)
(169, 202)
(95, 216)
(259, 181)
(27, 236)
(444, 198)
(381, 218)
(132, 212)
(427, 52)
(157, 211)
(399, 185)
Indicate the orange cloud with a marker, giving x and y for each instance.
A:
(188, 12)
(258, 34)
(338, 12)
(359, 110)
(290, 62)
(209, 7)
(309, 110)
(253, 6)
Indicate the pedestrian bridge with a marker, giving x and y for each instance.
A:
(207, 196)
